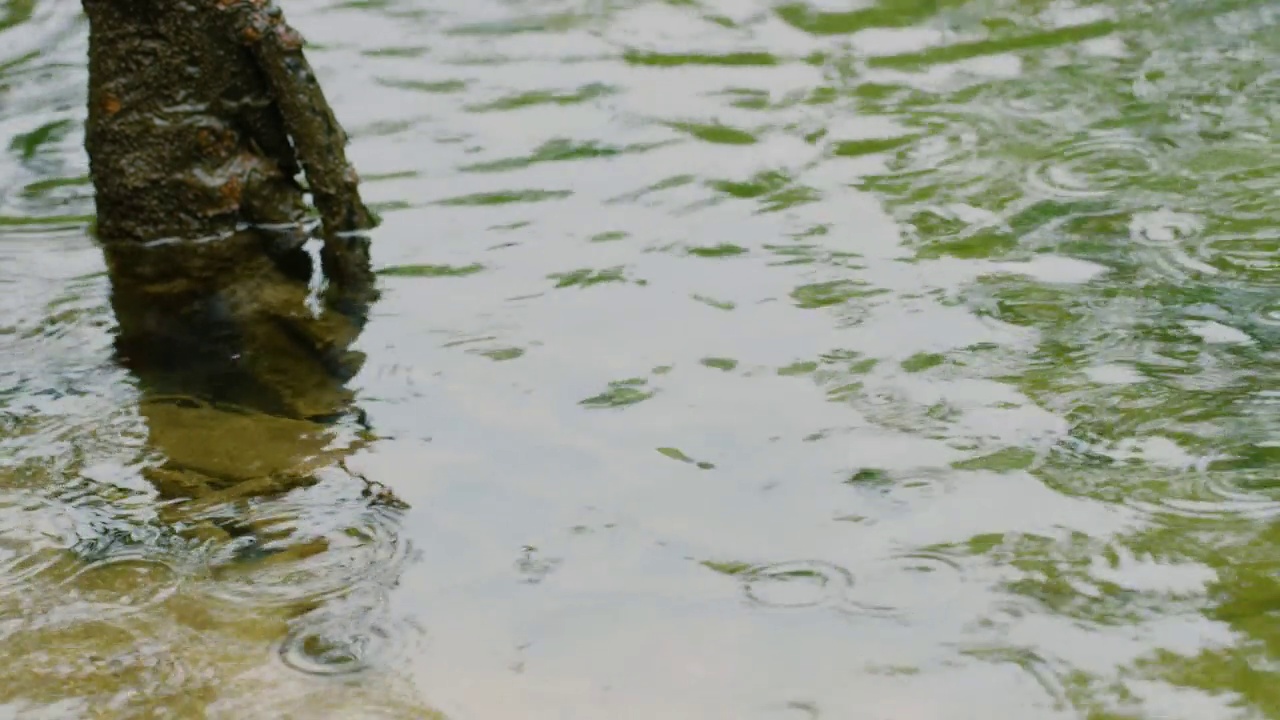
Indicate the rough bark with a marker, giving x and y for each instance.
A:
(202, 116)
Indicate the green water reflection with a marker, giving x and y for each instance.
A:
(960, 320)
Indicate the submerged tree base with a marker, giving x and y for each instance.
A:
(203, 116)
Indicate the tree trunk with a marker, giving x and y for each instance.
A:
(202, 115)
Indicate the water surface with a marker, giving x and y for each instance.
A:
(881, 359)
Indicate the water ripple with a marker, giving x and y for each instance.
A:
(892, 587)
(1269, 314)
(905, 584)
(321, 565)
(797, 584)
(1095, 166)
(33, 539)
(341, 639)
(1253, 258)
(1195, 491)
(125, 584)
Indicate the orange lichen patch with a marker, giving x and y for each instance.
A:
(219, 192)
(110, 104)
(251, 34)
(216, 142)
(232, 190)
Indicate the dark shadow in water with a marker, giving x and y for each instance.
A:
(242, 369)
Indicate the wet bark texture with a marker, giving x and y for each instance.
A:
(202, 116)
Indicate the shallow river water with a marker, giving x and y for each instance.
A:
(877, 359)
